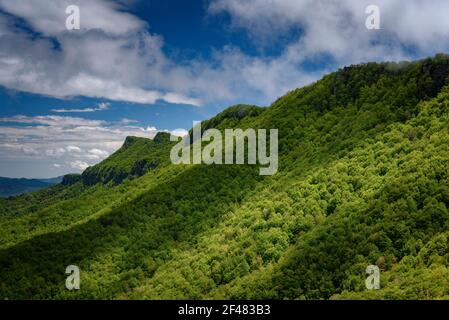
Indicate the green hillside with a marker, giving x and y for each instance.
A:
(363, 179)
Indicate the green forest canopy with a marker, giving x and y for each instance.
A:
(363, 179)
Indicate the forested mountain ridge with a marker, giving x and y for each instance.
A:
(135, 158)
(363, 179)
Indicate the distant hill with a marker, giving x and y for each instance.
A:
(13, 187)
(363, 180)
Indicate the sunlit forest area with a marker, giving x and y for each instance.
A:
(363, 179)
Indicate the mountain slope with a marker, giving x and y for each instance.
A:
(363, 179)
(135, 158)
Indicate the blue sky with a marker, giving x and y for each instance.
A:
(69, 98)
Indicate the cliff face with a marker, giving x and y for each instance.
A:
(135, 158)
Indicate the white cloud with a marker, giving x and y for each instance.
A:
(49, 16)
(79, 165)
(127, 121)
(113, 56)
(135, 67)
(53, 121)
(101, 107)
(330, 31)
(56, 165)
(179, 132)
(27, 150)
(116, 57)
(73, 149)
(56, 153)
(337, 28)
(152, 130)
(97, 154)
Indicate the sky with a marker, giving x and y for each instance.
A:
(69, 98)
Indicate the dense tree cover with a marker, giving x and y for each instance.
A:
(135, 158)
(363, 179)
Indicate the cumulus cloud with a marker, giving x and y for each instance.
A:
(337, 28)
(56, 153)
(127, 121)
(46, 17)
(115, 56)
(73, 149)
(179, 132)
(57, 121)
(79, 165)
(101, 107)
(97, 154)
